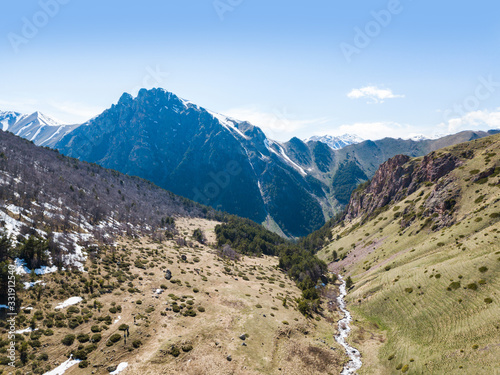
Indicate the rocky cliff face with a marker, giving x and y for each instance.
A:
(401, 176)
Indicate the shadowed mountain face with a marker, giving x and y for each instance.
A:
(231, 165)
(201, 155)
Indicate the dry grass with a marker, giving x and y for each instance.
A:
(229, 292)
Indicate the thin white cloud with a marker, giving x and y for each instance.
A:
(476, 120)
(373, 94)
(72, 112)
(64, 112)
(22, 106)
(279, 124)
(378, 130)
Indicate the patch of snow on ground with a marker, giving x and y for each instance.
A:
(14, 209)
(11, 226)
(122, 366)
(78, 258)
(69, 302)
(63, 367)
(32, 284)
(21, 268)
(117, 319)
(26, 330)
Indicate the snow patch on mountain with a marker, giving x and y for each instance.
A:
(229, 124)
(270, 144)
(418, 137)
(69, 302)
(8, 118)
(63, 367)
(22, 269)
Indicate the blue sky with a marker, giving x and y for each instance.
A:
(295, 68)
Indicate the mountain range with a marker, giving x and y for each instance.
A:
(293, 188)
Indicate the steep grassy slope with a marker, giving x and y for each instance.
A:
(423, 252)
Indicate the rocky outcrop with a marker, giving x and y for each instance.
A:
(487, 173)
(399, 177)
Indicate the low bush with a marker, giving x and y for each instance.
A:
(83, 337)
(114, 339)
(136, 343)
(472, 286)
(68, 340)
(95, 328)
(96, 338)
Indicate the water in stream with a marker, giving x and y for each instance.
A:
(344, 329)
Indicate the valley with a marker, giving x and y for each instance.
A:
(234, 187)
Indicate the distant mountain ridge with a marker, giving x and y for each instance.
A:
(36, 127)
(336, 142)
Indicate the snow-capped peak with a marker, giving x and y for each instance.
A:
(418, 137)
(336, 142)
(8, 118)
(36, 127)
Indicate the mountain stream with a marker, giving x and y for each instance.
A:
(355, 356)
